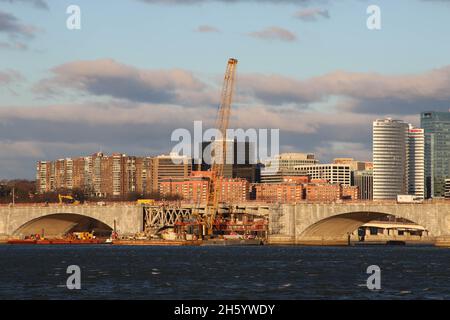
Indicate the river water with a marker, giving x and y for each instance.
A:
(115, 272)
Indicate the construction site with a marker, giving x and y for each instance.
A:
(211, 221)
(297, 206)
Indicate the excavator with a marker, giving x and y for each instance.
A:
(70, 200)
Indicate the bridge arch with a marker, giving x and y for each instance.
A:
(340, 225)
(59, 224)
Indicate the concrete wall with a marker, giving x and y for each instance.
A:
(298, 223)
(129, 218)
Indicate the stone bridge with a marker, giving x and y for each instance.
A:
(127, 218)
(330, 223)
(288, 224)
(55, 220)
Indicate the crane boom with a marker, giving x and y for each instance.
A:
(222, 122)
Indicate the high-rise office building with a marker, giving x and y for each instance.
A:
(240, 159)
(437, 151)
(416, 162)
(390, 158)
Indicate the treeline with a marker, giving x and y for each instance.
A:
(25, 192)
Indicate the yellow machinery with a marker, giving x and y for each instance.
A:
(83, 235)
(146, 201)
(222, 122)
(70, 199)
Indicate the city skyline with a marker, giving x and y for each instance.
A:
(320, 76)
(185, 152)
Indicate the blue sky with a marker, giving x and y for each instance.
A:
(322, 81)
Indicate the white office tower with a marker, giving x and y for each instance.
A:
(286, 162)
(416, 163)
(390, 159)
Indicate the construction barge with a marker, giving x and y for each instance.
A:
(124, 242)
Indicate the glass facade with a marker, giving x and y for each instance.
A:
(437, 151)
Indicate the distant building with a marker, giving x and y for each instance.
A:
(195, 188)
(170, 166)
(437, 151)
(144, 175)
(364, 181)
(321, 191)
(280, 177)
(294, 189)
(99, 175)
(416, 162)
(349, 193)
(354, 164)
(390, 158)
(288, 192)
(286, 162)
(241, 159)
(368, 166)
(333, 173)
(43, 176)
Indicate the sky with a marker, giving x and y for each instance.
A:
(139, 69)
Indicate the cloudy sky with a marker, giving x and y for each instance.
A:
(138, 69)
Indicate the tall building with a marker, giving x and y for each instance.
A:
(333, 173)
(43, 173)
(364, 181)
(170, 166)
(104, 176)
(437, 151)
(416, 162)
(241, 159)
(144, 176)
(390, 158)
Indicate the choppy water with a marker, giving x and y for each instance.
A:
(111, 272)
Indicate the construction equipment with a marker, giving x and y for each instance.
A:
(220, 145)
(145, 201)
(83, 235)
(70, 199)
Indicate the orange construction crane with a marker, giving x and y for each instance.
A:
(220, 146)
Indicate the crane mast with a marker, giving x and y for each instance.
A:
(220, 145)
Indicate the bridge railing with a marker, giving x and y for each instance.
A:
(246, 203)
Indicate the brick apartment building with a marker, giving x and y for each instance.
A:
(298, 189)
(195, 188)
(109, 176)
